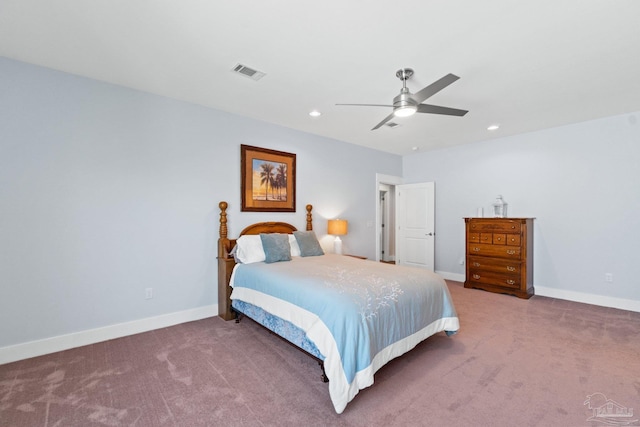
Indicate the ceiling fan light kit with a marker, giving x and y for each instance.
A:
(403, 104)
(406, 103)
(407, 111)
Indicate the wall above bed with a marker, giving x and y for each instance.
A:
(108, 191)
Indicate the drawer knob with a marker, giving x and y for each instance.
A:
(476, 276)
(511, 282)
(476, 249)
(511, 252)
(476, 264)
(511, 268)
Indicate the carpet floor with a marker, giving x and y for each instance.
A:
(536, 362)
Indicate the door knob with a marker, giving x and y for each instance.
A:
(430, 234)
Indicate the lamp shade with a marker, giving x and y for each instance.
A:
(337, 227)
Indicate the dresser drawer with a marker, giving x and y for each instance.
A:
(499, 239)
(493, 278)
(513, 239)
(500, 251)
(486, 238)
(495, 265)
(488, 226)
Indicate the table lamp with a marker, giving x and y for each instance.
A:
(337, 227)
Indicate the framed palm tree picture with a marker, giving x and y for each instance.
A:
(268, 180)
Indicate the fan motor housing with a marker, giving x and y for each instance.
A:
(403, 100)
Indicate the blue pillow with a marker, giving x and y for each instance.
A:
(308, 243)
(276, 247)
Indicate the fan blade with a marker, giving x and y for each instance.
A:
(434, 88)
(386, 119)
(367, 105)
(435, 109)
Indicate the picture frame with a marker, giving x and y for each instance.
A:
(268, 180)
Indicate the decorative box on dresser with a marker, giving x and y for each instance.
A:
(500, 255)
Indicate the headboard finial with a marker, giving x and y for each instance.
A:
(309, 220)
(223, 219)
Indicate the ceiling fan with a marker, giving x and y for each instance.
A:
(407, 103)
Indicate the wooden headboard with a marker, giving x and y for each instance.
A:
(226, 262)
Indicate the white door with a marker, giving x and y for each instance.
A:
(415, 212)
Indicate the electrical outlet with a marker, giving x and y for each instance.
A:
(148, 293)
(608, 277)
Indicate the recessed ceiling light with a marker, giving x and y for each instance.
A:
(493, 127)
(315, 113)
(415, 148)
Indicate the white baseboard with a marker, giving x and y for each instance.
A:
(452, 276)
(78, 339)
(601, 300)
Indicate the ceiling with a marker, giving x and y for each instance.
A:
(522, 65)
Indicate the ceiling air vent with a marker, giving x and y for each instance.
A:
(248, 72)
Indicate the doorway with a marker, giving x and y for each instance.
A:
(387, 223)
(385, 217)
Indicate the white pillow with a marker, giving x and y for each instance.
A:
(249, 249)
(295, 248)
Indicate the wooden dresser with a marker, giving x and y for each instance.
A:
(500, 255)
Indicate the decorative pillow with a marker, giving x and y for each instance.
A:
(308, 243)
(295, 249)
(276, 247)
(248, 249)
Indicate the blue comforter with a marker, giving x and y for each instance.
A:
(360, 314)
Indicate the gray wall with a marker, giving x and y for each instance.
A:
(105, 191)
(580, 182)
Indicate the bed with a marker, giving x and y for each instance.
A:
(352, 315)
